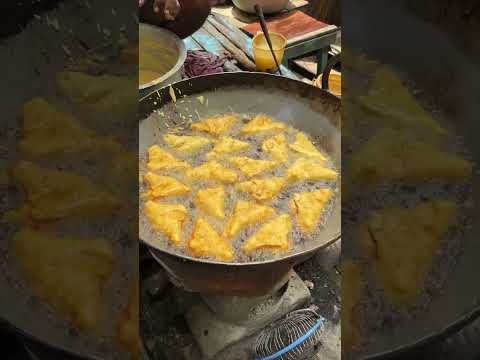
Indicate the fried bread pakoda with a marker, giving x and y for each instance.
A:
(308, 208)
(309, 170)
(305, 147)
(188, 144)
(217, 125)
(163, 186)
(245, 214)
(262, 189)
(227, 145)
(167, 218)
(159, 159)
(211, 201)
(261, 124)
(67, 272)
(205, 241)
(402, 243)
(49, 133)
(252, 167)
(393, 155)
(274, 235)
(56, 194)
(212, 171)
(276, 147)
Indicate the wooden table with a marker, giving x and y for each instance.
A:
(220, 37)
(305, 35)
(316, 43)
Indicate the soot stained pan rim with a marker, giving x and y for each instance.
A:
(8, 326)
(447, 331)
(215, 82)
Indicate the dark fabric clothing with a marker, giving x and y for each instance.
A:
(201, 62)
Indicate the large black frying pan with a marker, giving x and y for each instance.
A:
(300, 105)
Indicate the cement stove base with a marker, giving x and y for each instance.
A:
(226, 340)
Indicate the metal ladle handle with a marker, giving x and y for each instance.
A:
(263, 24)
(334, 60)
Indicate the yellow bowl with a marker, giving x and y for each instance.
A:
(262, 54)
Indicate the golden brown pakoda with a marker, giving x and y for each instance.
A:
(261, 124)
(392, 155)
(395, 106)
(310, 170)
(52, 134)
(245, 214)
(67, 272)
(402, 243)
(273, 235)
(227, 145)
(252, 167)
(186, 143)
(167, 218)
(103, 93)
(55, 194)
(211, 201)
(308, 208)
(276, 147)
(262, 189)
(217, 125)
(206, 242)
(159, 159)
(305, 147)
(212, 171)
(352, 288)
(163, 186)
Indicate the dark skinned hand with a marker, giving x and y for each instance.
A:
(166, 9)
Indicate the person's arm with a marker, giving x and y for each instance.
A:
(190, 17)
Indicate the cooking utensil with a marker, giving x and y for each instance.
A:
(262, 53)
(298, 104)
(170, 43)
(268, 6)
(334, 60)
(264, 26)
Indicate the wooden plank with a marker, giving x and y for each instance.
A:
(191, 44)
(326, 31)
(232, 33)
(246, 42)
(309, 64)
(335, 49)
(291, 25)
(237, 53)
(309, 47)
(209, 43)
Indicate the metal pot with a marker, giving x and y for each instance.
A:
(171, 41)
(268, 6)
(303, 106)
